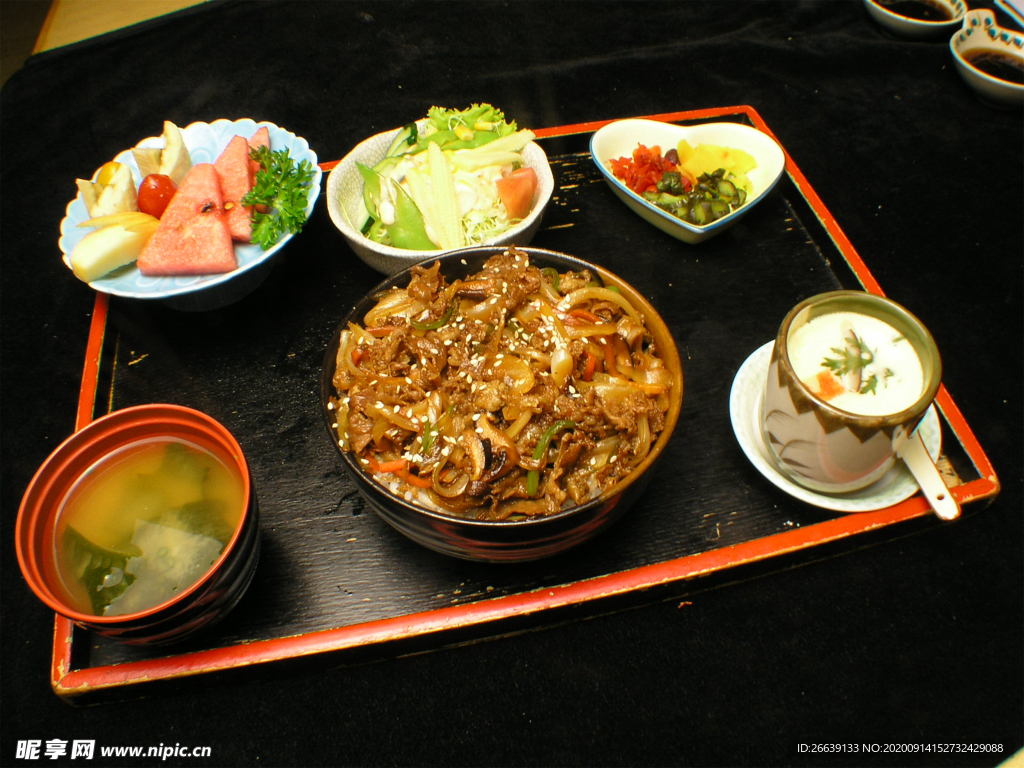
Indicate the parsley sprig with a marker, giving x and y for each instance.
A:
(280, 192)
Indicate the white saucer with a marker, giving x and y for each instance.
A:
(745, 409)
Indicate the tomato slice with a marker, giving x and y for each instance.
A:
(517, 191)
(155, 193)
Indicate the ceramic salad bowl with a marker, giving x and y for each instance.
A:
(347, 211)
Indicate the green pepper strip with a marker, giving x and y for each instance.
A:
(443, 320)
(427, 441)
(556, 278)
(533, 476)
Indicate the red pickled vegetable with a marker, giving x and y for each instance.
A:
(644, 170)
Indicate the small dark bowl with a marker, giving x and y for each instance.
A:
(518, 540)
(199, 606)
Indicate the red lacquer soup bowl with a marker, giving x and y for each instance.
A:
(143, 526)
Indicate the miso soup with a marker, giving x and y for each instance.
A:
(144, 524)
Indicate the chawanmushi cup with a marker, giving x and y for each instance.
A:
(210, 597)
(821, 446)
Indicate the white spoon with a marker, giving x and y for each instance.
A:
(921, 466)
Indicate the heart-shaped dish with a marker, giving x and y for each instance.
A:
(620, 138)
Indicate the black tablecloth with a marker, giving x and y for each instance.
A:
(912, 643)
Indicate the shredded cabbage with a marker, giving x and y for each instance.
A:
(479, 147)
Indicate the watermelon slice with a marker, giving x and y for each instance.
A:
(235, 170)
(193, 237)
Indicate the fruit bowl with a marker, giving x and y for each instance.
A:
(345, 205)
(205, 142)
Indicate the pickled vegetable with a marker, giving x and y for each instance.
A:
(680, 182)
(713, 197)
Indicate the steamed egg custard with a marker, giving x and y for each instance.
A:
(857, 363)
(145, 523)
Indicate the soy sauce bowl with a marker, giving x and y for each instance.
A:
(194, 607)
(508, 541)
(979, 39)
(917, 19)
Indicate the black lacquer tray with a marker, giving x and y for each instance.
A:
(336, 585)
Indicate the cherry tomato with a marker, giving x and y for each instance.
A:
(155, 193)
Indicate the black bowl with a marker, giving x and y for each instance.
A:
(508, 540)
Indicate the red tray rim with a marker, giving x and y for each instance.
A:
(71, 683)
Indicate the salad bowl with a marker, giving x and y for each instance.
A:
(205, 142)
(346, 209)
(620, 138)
